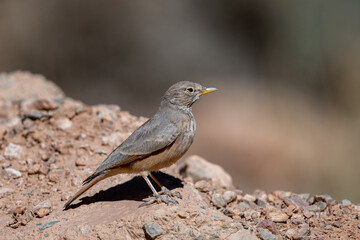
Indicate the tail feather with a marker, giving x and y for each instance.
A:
(91, 177)
(88, 183)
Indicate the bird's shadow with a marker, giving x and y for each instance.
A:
(134, 189)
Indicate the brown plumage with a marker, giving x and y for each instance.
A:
(156, 144)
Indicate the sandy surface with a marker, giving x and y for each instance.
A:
(50, 144)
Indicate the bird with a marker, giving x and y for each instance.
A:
(158, 143)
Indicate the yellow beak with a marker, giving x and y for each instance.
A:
(207, 90)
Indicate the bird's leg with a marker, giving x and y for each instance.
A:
(164, 190)
(157, 196)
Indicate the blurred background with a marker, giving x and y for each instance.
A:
(287, 115)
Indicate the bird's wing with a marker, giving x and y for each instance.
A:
(152, 136)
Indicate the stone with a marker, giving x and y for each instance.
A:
(297, 219)
(42, 209)
(34, 169)
(260, 203)
(20, 210)
(200, 169)
(45, 104)
(346, 202)
(12, 151)
(106, 112)
(229, 196)
(218, 200)
(337, 224)
(243, 206)
(203, 186)
(304, 196)
(321, 205)
(56, 175)
(308, 214)
(328, 227)
(358, 226)
(290, 233)
(312, 208)
(296, 200)
(324, 198)
(265, 234)
(63, 123)
(249, 198)
(152, 230)
(6, 190)
(13, 173)
(81, 161)
(42, 212)
(298, 234)
(302, 233)
(84, 229)
(269, 225)
(242, 235)
(282, 194)
(278, 217)
(259, 194)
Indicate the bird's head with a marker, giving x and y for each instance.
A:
(186, 93)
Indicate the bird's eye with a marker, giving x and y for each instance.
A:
(190, 89)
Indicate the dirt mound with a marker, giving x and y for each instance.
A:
(50, 143)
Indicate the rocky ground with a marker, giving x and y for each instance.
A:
(50, 143)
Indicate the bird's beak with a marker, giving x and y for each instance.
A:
(207, 90)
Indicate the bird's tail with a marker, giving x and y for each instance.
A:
(88, 183)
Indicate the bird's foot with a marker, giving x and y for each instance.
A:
(169, 193)
(158, 198)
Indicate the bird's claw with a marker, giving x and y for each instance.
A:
(158, 198)
(169, 193)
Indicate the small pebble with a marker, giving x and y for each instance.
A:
(101, 151)
(249, 198)
(345, 202)
(84, 229)
(337, 224)
(325, 198)
(242, 206)
(260, 203)
(297, 219)
(203, 186)
(328, 227)
(20, 210)
(265, 234)
(63, 123)
(56, 175)
(269, 225)
(278, 217)
(6, 190)
(81, 161)
(152, 230)
(12, 151)
(34, 169)
(229, 196)
(47, 225)
(42, 209)
(218, 200)
(42, 212)
(13, 172)
(290, 233)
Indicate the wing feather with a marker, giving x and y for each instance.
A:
(152, 136)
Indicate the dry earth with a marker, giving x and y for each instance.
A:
(50, 143)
